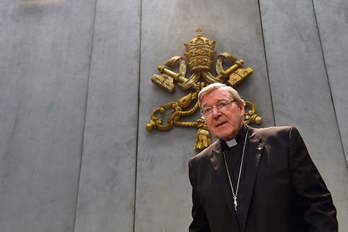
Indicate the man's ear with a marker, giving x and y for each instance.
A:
(242, 109)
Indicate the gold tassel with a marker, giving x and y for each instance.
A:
(202, 140)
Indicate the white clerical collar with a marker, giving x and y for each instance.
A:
(231, 143)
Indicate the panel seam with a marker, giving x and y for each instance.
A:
(267, 70)
(329, 83)
(85, 113)
(138, 117)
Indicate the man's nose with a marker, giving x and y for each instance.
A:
(215, 112)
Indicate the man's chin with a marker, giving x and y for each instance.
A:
(223, 136)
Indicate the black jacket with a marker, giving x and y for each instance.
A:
(281, 189)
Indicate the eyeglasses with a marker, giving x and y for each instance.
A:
(207, 111)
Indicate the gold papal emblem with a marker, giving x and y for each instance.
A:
(199, 54)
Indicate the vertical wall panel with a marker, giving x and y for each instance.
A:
(332, 17)
(45, 47)
(300, 89)
(163, 193)
(106, 194)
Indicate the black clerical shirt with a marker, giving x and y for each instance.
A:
(233, 159)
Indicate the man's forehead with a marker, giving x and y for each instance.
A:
(216, 96)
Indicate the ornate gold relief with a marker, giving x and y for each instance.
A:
(199, 54)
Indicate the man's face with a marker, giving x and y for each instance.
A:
(225, 117)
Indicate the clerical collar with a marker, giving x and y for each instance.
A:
(231, 143)
(238, 139)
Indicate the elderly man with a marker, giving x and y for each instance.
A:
(254, 180)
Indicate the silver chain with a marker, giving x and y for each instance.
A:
(235, 194)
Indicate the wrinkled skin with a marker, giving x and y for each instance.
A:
(224, 123)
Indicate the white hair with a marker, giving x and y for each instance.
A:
(209, 88)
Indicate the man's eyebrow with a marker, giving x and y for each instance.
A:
(220, 100)
(204, 105)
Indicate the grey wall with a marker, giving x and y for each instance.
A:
(45, 49)
(76, 94)
(106, 191)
